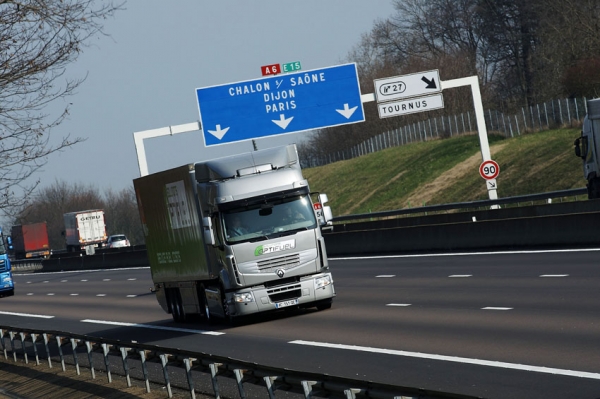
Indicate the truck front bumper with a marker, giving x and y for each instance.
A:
(7, 286)
(309, 291)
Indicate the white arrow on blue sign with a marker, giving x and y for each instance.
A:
(280, 104)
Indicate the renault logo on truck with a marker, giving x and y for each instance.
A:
(280, 273)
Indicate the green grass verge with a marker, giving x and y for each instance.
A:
(445, 171)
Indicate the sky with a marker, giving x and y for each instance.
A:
(145, 75)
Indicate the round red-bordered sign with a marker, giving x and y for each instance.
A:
(489, 169)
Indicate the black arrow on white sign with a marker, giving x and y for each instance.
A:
(430, 83)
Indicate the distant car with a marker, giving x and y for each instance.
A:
(117, 241)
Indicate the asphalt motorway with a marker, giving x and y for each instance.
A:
(493, 325)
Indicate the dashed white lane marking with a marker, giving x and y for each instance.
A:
(106, 279)
(385, 276)
(460, 275)
(398, 304)
(40, 316)
(73, 294)
(117, 323)
(84, 280)
(131, 279)
(63, 281)
(554, 275)
(456, 359)
(29, 293)
(495, 308)
(100, 294)
(50, 294)
(466, 254)
(131, 296)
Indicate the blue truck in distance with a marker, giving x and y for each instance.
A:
(7, 285)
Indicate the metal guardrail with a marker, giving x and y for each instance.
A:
(26, 343)
(26, 265)
(465, 205)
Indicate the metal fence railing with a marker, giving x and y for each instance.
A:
(567, 112)
(521, 199)
(134, 360)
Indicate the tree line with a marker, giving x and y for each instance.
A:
(524, 52)
(49, 204)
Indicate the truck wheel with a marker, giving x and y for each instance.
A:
(204, 299)
(176, 305)
(323, 305)
(594, 188)
(232, 321)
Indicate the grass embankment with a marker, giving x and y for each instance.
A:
(445, 171)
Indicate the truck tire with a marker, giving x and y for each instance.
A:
(229, 319)
(205, 307)
(323, 305)
(594, 188)
(176, 305)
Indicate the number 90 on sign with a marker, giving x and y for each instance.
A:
(489, 170)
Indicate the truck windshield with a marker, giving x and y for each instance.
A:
(2, 247)
(271, 219)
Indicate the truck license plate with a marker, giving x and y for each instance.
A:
(284, 304)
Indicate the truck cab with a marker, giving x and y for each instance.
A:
(7, 286)
(587, 147)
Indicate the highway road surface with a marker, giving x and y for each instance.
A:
(494, 325)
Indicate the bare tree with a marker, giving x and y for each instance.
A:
(38, 40)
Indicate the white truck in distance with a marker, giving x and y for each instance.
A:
(235, 236)
(588, 148)
(84, 229)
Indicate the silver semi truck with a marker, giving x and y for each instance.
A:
(588, 148)
(235, 236)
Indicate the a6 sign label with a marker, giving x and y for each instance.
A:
(489, 169)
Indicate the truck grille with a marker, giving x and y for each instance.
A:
(285, 293)
(282, 262)
(2, 265)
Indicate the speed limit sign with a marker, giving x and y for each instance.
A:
(489, 170)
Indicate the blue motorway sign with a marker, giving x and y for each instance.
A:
(280, 104)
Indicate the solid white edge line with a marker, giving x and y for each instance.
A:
(456, 359)
(118, 323)
(16, 273)
(39, 316)
(466, 254)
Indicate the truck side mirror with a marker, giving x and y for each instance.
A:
(327, 214)
(577, 147)
(10, 243)
(209, 234)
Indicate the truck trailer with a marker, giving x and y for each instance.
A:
(84, 229)
(235, 236)
(30, 241)
(7, 285)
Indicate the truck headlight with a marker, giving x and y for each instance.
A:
(322, 282)
(244, 297)
(7, 280)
